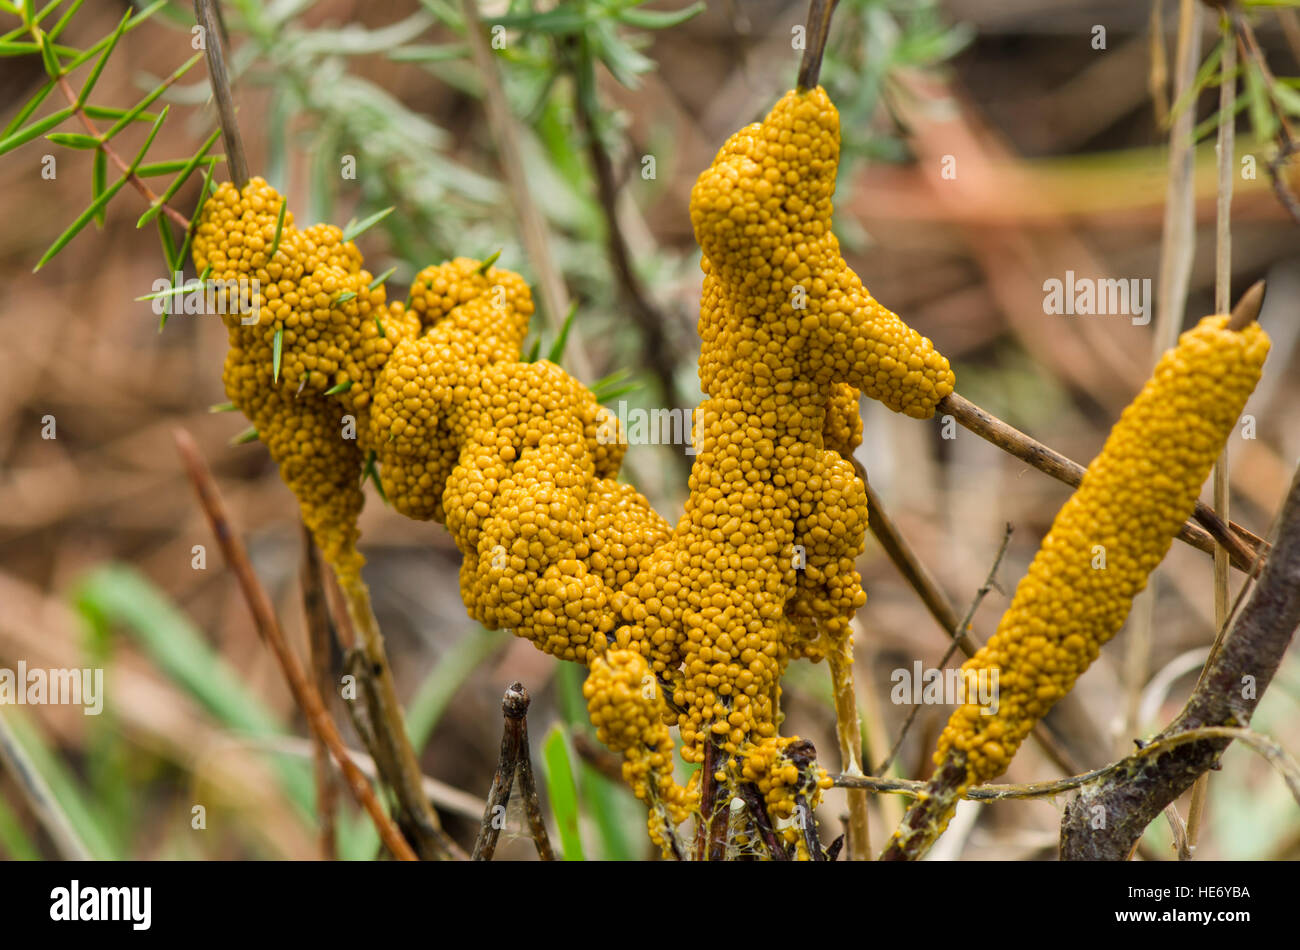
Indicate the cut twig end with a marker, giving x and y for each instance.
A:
(1247, 310)
(515, 702)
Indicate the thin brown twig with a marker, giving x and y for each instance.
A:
(208, 15)
(1242, 545)
(268, 627)
(112, 155)
(649, 320)
(316, 614)
(555, 296)
(514, 706)
(817, 30)
(990, 582)
(905, 559)
(528, 789)
(753, 800)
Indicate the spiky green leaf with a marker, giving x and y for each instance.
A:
(40, 127)
(557, 348)
(82, 220)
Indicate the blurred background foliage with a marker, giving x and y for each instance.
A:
(614, 106)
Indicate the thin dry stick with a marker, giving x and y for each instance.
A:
(649, 320)
(848, 730)
(990, 583)
(528, 789)
(1222, 301)
(1274, 753)
(753, 800)
(1242, 545)
(13, 757)
(214, 38)
(941, 608)
(817, 28)
(555, 297)
(268, 627)
(316, 613)
(389, 725)
(514, 705)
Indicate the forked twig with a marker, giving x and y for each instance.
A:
(514, 759)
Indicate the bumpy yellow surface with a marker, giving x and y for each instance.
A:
(515, 459)
(760, 570)
(625, 706)
(1135, 496)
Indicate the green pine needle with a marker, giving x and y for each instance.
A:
(535, 350)
(130, 115)
(557, 348)
(156, 208)
(248, 435)
(487, 264)
(222, 407)
(23, 136)
(382, 277)
(148, 141)
(82, 220)
(356, 228)
(339, 388)
(277, 347)
(382, 334)
(98, 181)
(74, 140)
(279, 230)
(103, 60)
(344, 298)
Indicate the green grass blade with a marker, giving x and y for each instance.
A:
(535, 350)
(557, 764)
(604, 398)
(356, 228)
(277, 350)
(79, 813)
(659, 19)
(380, 326)
(15, 845)
(82, 220)
(344, 298)
(40, 127)
(382, 277)
(339, 388)
(484, 267)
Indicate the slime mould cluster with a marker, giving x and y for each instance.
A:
(691, 626)
(1104, 543)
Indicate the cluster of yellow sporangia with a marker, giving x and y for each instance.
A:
(761, 568)
(628, 711)
(1106, 540)
(515, 457)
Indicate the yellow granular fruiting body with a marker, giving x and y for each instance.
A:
(1107, 539)
(517, 459)
(314, 297)
(625, 706)
(760, 570)
(779, 781)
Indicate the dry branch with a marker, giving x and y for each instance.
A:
(1106, 820)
